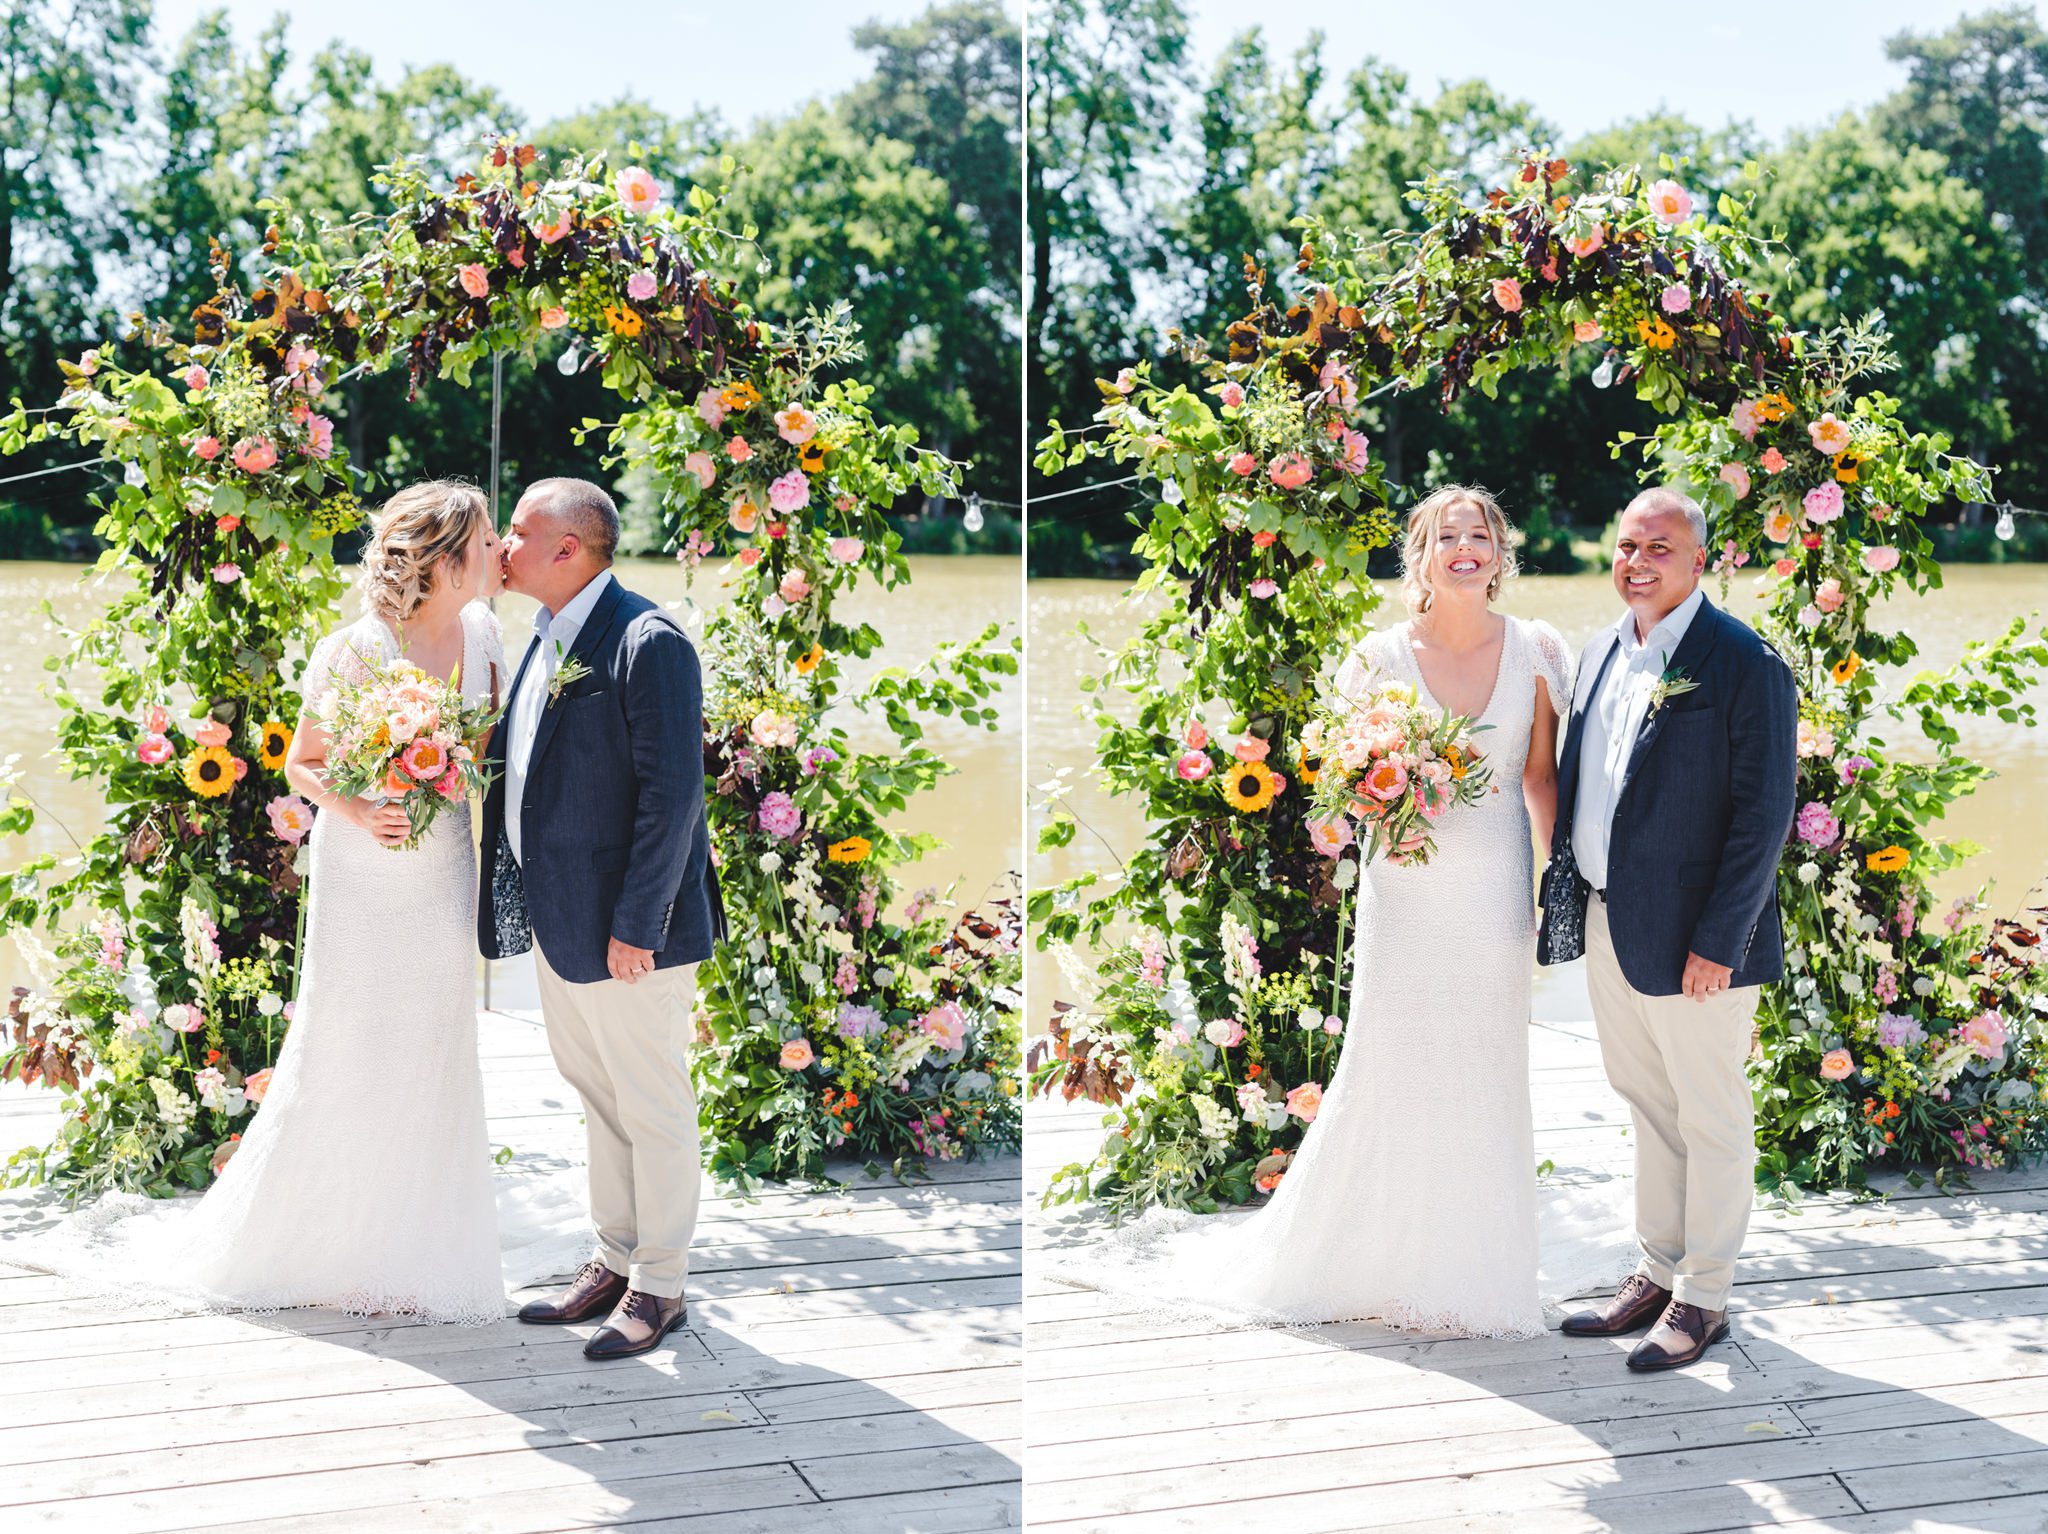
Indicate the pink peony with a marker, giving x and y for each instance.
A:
(1243, 465)
(1746, 418)
(1305, 1101)
(743, 516)
(795, 425)
(1880, 557)
(1670, 203)
(946, 1023)
(1387, 781)
(254, 454)
(196, 379)
(1829, 596)
(554, 318)
(641, 286)
(1817, 824)
(1507, 292)
(710, 408)
(1231, 394)
(780, 816)
(1985, 1033)
(1675, 299)
(476, 282)
(1823, 503)
(290, 817)
(1290, 471)
(1263, 587)
(208, 448)
(699, 463)
(1836, 1065)
(1330, 837)
(637, 189)
(227, 572)
(319, 437)
(450, 785)
(794, 588)
(1736, 477)
(846, 550)
(739, 449)
(154, 749)
(1828, 435)
(1584, 245)
(792, 492)
(1193, 766)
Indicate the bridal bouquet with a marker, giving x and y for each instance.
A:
(1395, 767)
(401, 735)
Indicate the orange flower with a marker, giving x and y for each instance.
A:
(1773, 407)
(396, 783)
(812, 459)
(1846, 667)
(807, 662)
(624, 322)
(1656, 334)
(853, 850)
(1888, 860)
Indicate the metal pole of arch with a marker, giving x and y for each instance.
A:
(497, 416)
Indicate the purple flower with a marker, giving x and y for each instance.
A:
(1817, 824)
(857, 1022)
(817, 757)
(780, 816)
(1895, 1031)
(1852, 766)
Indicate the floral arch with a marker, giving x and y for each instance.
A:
(834, 1026)
(1212, 994)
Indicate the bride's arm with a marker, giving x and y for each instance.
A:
(1539, 776)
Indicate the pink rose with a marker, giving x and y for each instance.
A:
(637, 189)
(208, 448)
(516, 259)
(1231, 394)
(1837, 1065)
(1783, 568)
(847, 551)
(1251, 748)
(792, 492)
(1829, 597)
(156, 719)
(795, 425)
(1745, 419)
(641, 286)
(1126, 380)
(1305, 1101)
(1675, 299)
(256, 1085)
(1290, 471)
(710, 408)
(196, 379)
(211, 732)
(154, 749)
(319, 437)
(1823, 503)
(1193, 766)
(476, 282)
(1774, 461)
(1243, 464)
(794, 587)
(555, 230)
(1584, 245)
(699, 463)
(1507, 292)
(1263, 587)
(226, 524)
(227, 572)
(290, 817)
(1586, 330)
(749, 558)
(1670, 203)
(1736, 477)
(554, 318)
(254, 454)
(1880, 557)
(1196, 736)
(739, 449)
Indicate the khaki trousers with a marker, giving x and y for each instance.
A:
(625, 1049)
(1678, 1064)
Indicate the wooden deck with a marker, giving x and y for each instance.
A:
(852, 1363)
(1888, 1371)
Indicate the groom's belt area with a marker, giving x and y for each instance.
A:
(1599, 895)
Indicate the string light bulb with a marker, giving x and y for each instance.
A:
(1603, 375)
(570, 360)
(972, 518)
(2004, 526)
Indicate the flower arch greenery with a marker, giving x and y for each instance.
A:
(1898, 1037)
(833, 1025)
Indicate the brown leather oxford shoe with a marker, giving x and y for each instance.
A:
(636, 1326)
(1635, 1305)
(1680, 1336)
(594, 1290)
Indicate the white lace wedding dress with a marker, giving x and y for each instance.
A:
(364, 1182)
(1413, 1199)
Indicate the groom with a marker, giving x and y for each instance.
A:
(596, 855)
(1675, 792)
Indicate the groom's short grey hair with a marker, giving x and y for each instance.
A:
(1664, 498)
(583, 509)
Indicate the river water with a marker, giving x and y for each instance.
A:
(2008, 816)
(975, 812)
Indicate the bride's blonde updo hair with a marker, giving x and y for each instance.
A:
(418, 528)
(1420, 542)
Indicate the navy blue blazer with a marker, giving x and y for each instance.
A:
(613, 830)
(1705, 807)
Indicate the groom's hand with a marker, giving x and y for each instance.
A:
(628, 963)
(1704, 978)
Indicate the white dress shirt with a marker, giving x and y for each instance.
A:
(1615, 714)
(555, 633)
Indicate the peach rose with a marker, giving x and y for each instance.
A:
(476, 282)
(1837, 1065)
(1507, 292)
(739, 449)
(1305, 1101)
(1243, 465)
(1250, 748)
(1880, 557)
(554, 318)
(1290, 471)
(211, 732)
(256, 1085)
(797, 1054)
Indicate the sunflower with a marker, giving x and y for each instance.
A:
(740, 396)
(1846, 667)
(277, 740)
(210, 772)
(853, 850)
(1846, 466)
(807, 662)
(812, 459)
(1656, 334)
(1248, 786)
(624, 322)
(1307, 768)
(1888, 860)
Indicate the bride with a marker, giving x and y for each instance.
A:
(365, 1182)
(1413, 1197)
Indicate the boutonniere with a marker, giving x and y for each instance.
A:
(569, 670)
(1672, 684)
